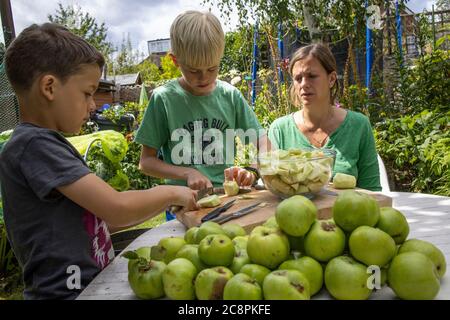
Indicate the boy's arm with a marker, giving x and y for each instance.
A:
(128, 208)
(152, 166)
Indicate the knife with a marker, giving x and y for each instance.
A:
(329, 192)
(200, 194)
(240, 213)
(217, 211)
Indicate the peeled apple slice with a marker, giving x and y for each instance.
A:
(209, 202)
(344, 181)
(231, 188)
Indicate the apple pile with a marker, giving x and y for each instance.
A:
(292, 256)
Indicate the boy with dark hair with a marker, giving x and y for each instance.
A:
(57, 212)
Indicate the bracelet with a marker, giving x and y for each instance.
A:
(255, 173)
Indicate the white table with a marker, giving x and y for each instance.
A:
(428, 217)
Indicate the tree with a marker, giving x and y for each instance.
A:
(169, 70)
(149, 72)
(84, 25)
(238, 50)
(127, 59)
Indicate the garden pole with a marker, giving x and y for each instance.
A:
(399, 29)
(281, 49)
(434, 27)
(7, 22)
(369, 52)
(255, 63)
(298, 34)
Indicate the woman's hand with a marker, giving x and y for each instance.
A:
(243, 177)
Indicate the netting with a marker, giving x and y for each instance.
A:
(9, 108)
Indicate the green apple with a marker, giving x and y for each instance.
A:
(240, 259)
(210, 283)
(371, 246)
(178, 279)
(267, 246)
(430, 250)
(324, 241)
(255, 271)
(312, 270)
(240, 242)
(167, 249)
(242, 287)
(231, 188)
(233, 230)
(190, 235)
(145, 276)
(346, 279)
(142, 252)
(190, 252)
(216, 250)
(413, 276)
(394, 223)
(206, 229)
(295, 215)
(271, 222)
(353, 209)
(286, 285)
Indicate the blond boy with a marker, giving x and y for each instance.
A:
(198, 106)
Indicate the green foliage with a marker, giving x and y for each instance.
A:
(317, 16)
(83, 24)
(245, 153)
(150, 72)
(130, 166)
(417, 148)
(7, 259)
(105, 150)
(169, 70)
(238, 50)
(272, 100)
(356, 98)
(127, 59)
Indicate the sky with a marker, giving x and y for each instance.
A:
(143, 20)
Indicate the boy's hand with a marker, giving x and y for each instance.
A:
(185, 197)
(197, 181)
(243, 177)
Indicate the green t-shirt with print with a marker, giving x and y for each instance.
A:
(197, 131)
(353, 142)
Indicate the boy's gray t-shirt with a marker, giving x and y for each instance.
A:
(53, 238)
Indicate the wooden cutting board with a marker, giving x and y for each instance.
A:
(323, 201)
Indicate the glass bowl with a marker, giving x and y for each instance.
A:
(296, 171)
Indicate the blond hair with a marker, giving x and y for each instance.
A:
(324, 55)
(197, 39)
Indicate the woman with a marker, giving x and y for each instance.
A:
(320, 124)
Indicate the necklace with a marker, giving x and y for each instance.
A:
(310, 135)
